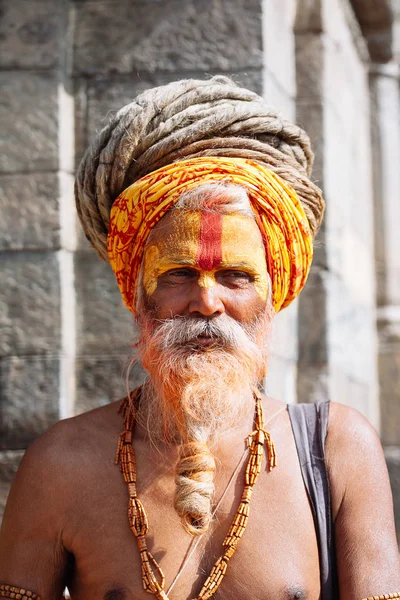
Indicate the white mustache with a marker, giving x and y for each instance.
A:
(180, 331)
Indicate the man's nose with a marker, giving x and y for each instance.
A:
(206, 301)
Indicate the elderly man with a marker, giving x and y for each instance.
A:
(199, 197)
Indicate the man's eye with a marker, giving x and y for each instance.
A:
(180, 273)
(237, 276)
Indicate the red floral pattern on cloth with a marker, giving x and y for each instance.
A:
(278, 211)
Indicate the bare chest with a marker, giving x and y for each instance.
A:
(277, 557)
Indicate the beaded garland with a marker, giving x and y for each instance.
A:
(384, 596)
(152, 575)
(9, 591)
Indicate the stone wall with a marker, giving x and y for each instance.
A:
(385, 98)
(337, 312)
(35, 180)
(66, 65)
(279, 89)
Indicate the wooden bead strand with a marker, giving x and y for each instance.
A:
(9, 591)
(384, 596)
(152, 575)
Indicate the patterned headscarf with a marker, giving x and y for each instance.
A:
(278, 211)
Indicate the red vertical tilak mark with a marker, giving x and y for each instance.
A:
(209, 254)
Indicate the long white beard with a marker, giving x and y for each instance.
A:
(194, 393)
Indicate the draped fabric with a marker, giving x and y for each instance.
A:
(279, 214)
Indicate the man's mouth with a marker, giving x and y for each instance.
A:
(205, 340)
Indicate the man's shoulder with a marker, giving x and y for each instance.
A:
(76, 441)
(353, 448)
(348, 426)
(350, 435)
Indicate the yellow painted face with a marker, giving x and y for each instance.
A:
(208, 243)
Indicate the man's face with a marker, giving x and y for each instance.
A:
(199, 264)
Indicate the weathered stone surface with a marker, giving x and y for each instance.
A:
(386, 157)
(9, 462)
(281, 379)
(392, 454)
(104, 325)
(101, 380)
(389, 378)
(309, 63)
(98, 99)
(277, 97)
(348, 169)
(312, 372)
(29, 212)
(173, 35)
(375, 20)
(28, 120)
(352, 329)
(279, 56)
(30, 33)
(346, 389)
(337, 344)
(282, 341)
(309, 16)
(29, 303)
(28, 398)
(312, 383)
(396, 33)
(337, 337)
(310, 110)
(312, 319)
(251, 78)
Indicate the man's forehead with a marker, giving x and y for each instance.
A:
(179, 227)
(208, 241)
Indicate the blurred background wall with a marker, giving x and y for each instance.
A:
(66, 65)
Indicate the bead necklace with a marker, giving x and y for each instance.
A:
(196, 541)
(384, 596)
(152, 576)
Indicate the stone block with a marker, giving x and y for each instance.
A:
(28, 120)
(346, 389)
(174, 35)
(30, 33)
(389, 378)
(386, 157)
(309, 16)
(309, 65)
(9, 462)
(281, 379)
(28, 398)
(29, 209)
(313, 319)
(104, 325)
(310, 116)
(351, 332)
(101, 380)
(312, 383)
(312, 367)
(392, 454)
(251, 79)
(29, 303)
(376, 20)
(277, 97)
(283, 337)
(279, 56)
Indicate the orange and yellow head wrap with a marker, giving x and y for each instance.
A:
(279, 214)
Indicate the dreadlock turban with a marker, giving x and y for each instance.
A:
(175, 137)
